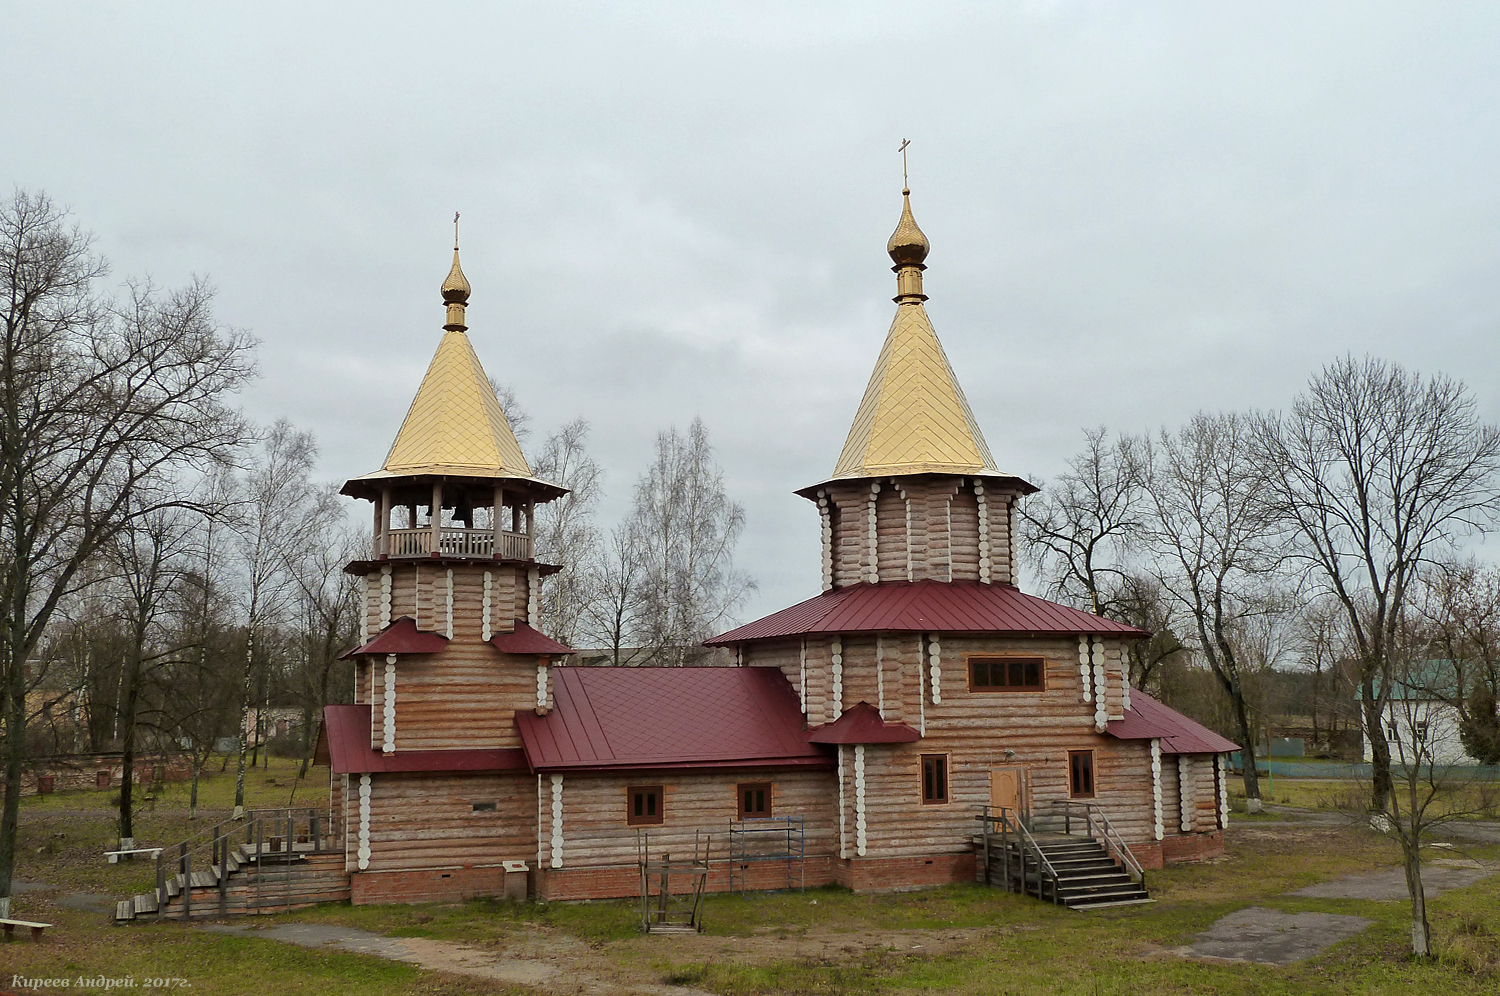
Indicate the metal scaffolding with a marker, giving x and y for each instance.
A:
(769, 838)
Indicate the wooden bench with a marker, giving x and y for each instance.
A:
(11, 925)
(114, 856)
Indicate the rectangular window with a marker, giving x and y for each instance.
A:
(483, 807)
(1006, 674)
(1081, 774)
(934, 779)
(644, 805)
(755, 800)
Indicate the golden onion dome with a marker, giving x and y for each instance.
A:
(456, 287)
(907, 245)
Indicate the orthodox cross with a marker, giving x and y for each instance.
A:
(455, 229)
(904, 143)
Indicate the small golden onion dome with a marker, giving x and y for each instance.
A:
(907, 245)
(456, 287)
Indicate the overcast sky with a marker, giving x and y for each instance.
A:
(1136, 210)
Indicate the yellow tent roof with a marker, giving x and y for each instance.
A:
(455, 424)
(914, 418)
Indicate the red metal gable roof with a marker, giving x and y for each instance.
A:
(861, 724)
(525, 640)
(402, 637)
(1147, 719)
(667, 717)
(926, 607)
(344, 745)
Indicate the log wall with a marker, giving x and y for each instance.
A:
(927, 527)
(425, 820)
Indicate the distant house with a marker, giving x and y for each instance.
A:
(1421, 722)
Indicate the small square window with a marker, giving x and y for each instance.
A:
(483, 807)
(1007, 674)
(1081, 774)
(934, 779)
(643, 805)
(754, 800)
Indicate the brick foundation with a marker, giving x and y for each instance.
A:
(1193, 846)
(439, 885)
(564, 884)
(903, 874)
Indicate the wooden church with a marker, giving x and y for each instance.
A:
(884, 731)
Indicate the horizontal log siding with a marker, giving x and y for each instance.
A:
(425, 820)
(964, 512)
(851, 534)
(1205, 793)
(1001, 509)
(596, 835)
(936, 535)
(890, 532)
(819, 681)
(1114, 679)
(1171, 800)
(974, 729)
(859, 670)
(465, 697)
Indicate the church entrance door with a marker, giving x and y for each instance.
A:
(1008, 789)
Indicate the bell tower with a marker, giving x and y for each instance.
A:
(449, 649)
(915, 494)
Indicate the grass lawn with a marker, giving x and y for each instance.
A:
(959, 938)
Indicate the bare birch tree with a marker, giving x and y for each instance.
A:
(1373, 472)
(1211, 536)
(273, 523)
(106, 409)
(565, 531)
(685, 527)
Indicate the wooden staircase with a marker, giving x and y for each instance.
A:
(283, 863)
(1079, 862)
(1087, 877)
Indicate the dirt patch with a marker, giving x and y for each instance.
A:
(773, 945)
(550, 962)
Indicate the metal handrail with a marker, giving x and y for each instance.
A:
(1113, 842)
(1023, 838)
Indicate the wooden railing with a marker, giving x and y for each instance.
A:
(1096, 825)
(458, 542)
(264, 836)
(1005, 823)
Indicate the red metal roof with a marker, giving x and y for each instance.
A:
(402, 637)
(525, 640)
(926, 607)
(861, 724)
(1147, 719)
(344, 744)
(668, 717)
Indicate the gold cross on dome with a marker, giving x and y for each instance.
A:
(455, 229)
(904, 143)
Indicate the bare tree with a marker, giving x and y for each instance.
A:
(1078, 529)
(686, 529)
(1211, 536)
(105, 409)
(609, 617)
(151, 563)
(1428, 789)
(1460, 614)
(565, 532)
(274, 523)
(1373, 472)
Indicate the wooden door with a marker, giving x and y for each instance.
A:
(1008, 789)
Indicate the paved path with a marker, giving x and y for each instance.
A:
(1438, 876)
(1268, 937)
